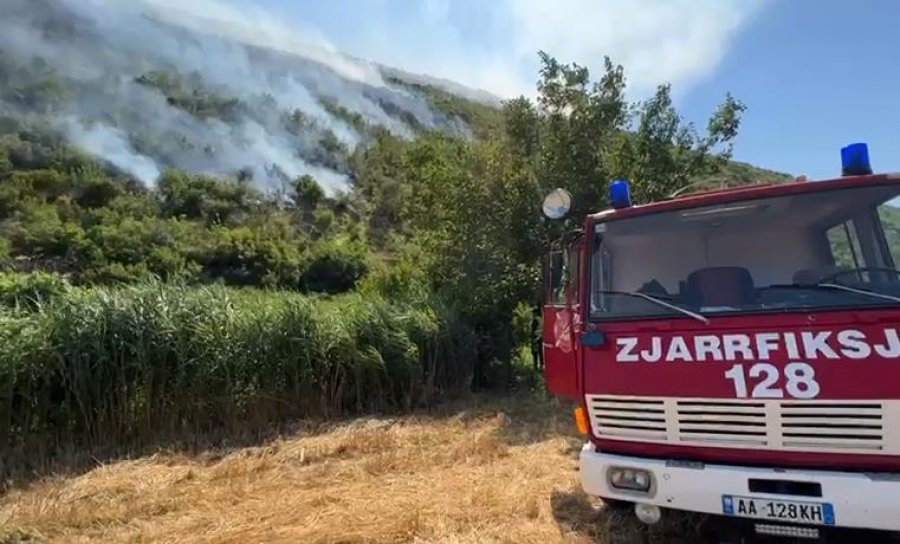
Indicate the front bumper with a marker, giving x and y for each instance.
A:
(864, 501)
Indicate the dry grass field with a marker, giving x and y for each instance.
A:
(480, 471)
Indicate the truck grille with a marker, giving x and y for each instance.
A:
(722, 422)
(834, 426)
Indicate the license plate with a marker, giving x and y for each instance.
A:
(814, 513)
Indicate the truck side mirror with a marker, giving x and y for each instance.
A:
(557, 204)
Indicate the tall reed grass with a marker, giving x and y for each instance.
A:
(95, 367)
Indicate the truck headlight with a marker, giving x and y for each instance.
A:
(630, 479)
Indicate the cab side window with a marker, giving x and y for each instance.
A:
(573, 271)
(555, 285)
(889, 216)
(562, 275)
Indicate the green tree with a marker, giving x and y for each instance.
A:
(474, 207)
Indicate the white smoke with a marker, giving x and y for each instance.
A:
(219, 36)
(111, 144)
(256, 27)
(108, 52)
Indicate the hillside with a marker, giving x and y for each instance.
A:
(231, 155)
(146, 88)
(735, 173)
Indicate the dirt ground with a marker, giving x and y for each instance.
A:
(480, 471)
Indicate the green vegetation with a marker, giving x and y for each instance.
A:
(485, 121)
(131, 312)
(104, 366)
(734, 174)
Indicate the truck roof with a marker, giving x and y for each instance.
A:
(748, 192)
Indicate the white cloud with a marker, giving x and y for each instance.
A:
(494, 45)
(656, 40)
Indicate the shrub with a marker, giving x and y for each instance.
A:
(400, 279)
(335, 266)
(30, 290)
(41, 231)
(262, 254)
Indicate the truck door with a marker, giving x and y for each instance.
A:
(562, 323)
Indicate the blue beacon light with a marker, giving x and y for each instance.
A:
(620, 194)
(855, 160)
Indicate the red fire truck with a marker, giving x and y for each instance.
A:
(736, 352)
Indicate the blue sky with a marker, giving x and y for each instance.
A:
(815, 74)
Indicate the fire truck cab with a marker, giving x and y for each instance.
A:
(736, 352)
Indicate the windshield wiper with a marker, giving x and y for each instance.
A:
(699, 317)
(838, 287)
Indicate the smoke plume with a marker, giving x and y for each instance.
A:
(112, 144)
(151, 84)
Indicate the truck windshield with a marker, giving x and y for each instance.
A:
(827, 249)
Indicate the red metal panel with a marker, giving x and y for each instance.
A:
(563, 324)
(560, 360)
(852, 355)
(747, 193)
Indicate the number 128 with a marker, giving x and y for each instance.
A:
(799, 381)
